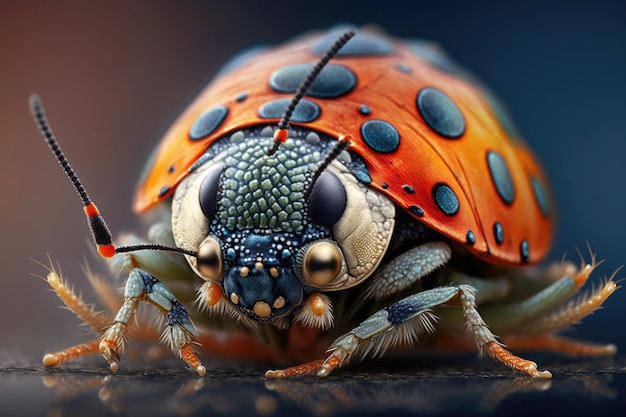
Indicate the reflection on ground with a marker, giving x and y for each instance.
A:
(369, 389)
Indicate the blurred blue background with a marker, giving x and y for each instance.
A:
(115, 74)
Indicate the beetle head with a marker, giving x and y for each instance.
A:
(274, 230)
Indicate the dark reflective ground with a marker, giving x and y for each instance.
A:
(433, 387)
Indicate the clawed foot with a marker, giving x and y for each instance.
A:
(321, 367)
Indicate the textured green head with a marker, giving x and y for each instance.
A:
(275, 231)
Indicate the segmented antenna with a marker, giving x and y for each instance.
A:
(281, 135)
(99, 230)
(342, 143)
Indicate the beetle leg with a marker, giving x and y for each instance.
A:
(508, 315)
(536, 334)
(545, 310)
(408, 268)
(570, 313)
(404, 321)
(528, 323)
(556, 343)
(74, 352)
(181, 332)
(94, 319)
(416, 307)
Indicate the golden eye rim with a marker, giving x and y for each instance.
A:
(210, 272)
(319, 279)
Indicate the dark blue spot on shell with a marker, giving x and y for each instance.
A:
(358, 168)
(362, 43)
(446, 199)
(404, 69)
(240, 59)
(333, 81)
(470, 237)
(241, 97)
(365, 110)
(201, 161)
(501, 177)
(207, 122)
(416, 210)
(171, 169)
(362, 174)
(384, 185)
(498, 232)
(541, 196)
(440, 113)
(408, 189)
(524, 251)
(164, 190)
(231, 255)
(306, 111)
(381, 136)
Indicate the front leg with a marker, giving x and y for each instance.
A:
(180, 333)
(403, 321)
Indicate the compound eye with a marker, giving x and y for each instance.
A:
(328, 200)
(209, 259)
(208, 191)
(321, 263)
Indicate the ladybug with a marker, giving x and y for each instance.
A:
(326, 200)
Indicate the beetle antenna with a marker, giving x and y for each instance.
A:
(99, 230)
(281, 135)
(342, 143)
